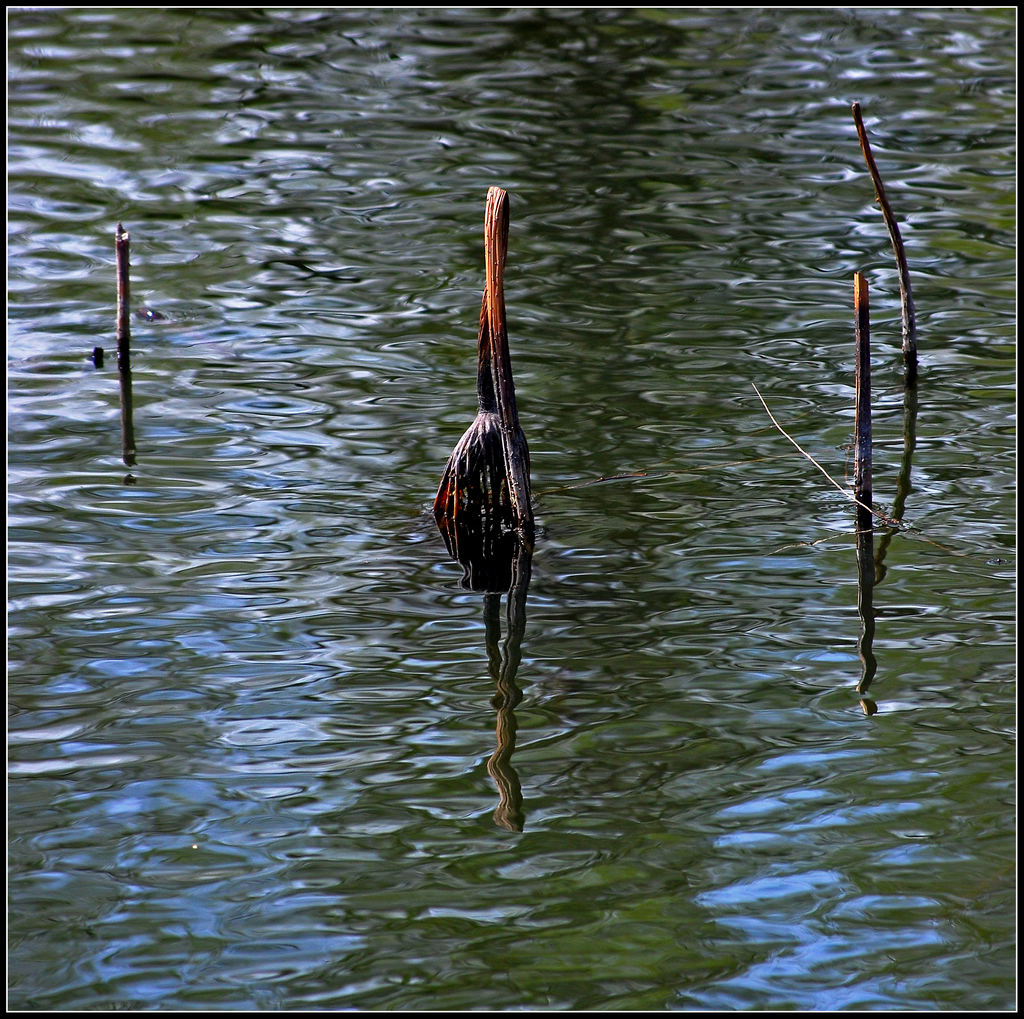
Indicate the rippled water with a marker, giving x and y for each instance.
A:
(266, 752)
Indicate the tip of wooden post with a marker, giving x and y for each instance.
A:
(860, 291)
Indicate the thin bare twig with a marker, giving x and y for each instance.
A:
(862, 414)
(831, 480)
(906, 295)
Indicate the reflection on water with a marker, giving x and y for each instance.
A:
(254, 747)
(503, 662)
(871, 567)
(865, 524)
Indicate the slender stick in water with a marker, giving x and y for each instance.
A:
(906, 295)
(862, 413)
(124, 332)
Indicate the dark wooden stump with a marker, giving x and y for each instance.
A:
(482, 506)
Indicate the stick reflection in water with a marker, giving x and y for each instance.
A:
(871, 568)
(503, 663)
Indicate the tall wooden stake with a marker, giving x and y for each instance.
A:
(124, 333)
(862, 413)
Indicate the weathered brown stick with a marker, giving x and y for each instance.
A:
(862, 412)
(122, 241)
(906, 294)
(124, 332)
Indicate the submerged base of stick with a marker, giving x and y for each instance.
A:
(488, 560)
(474, 510)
